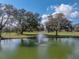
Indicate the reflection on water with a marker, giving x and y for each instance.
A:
(42, 51)
(62, 48)
(9, 44)
(8, 48)
(41, 38)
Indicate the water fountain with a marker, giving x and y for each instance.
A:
(41, 38)
(44, 21)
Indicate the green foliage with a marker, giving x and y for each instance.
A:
(59, 22)
(30, 43)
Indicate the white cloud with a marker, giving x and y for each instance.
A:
(44, 19)
(75, 14)
(44, 16)
(69, 11)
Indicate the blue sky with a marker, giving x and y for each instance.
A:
(40, 6)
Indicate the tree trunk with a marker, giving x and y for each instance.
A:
(21, 32)
(0, 33)
(56, 32)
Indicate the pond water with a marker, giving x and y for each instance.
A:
(62, 48)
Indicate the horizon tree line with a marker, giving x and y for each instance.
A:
(21, 20)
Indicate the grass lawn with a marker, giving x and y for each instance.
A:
(32, 34)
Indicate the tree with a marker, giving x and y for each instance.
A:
(76, 27)
(5, 15)
(26, 20)
(32, 21)
(59, 22)
(19, 15)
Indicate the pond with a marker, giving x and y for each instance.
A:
(49, 48)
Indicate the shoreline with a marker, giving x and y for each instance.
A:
(34, 34)
(50, 36)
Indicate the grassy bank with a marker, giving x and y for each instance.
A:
(33, 34)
